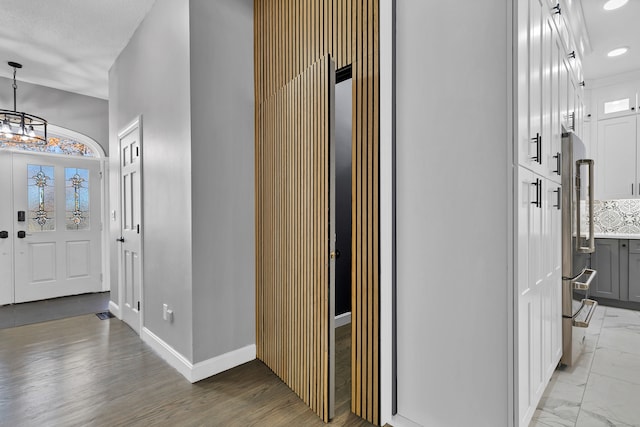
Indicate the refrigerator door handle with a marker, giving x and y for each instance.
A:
(590, 241)
(583, 286)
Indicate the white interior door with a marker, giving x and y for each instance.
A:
(6, 230)
(56, 226)
(131, 237)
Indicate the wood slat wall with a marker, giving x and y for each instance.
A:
(294, 235)
(289, 36)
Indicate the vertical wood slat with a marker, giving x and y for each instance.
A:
(289, 37)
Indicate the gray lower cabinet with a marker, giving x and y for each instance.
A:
(634, 270)
(606, 261)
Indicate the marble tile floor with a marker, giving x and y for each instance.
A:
(603, 388)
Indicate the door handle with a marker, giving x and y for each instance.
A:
(335, 254)
(121, 239)
(22, 234)
(4, 234)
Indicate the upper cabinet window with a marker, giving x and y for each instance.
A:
(617, 106)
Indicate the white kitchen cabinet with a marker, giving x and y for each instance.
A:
(539, 285)
(617, 159)
(531, 136)
(529, 236)
(548, 102)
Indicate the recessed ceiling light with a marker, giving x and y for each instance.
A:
(614, 4)
(617, 52)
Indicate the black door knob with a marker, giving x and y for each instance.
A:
(121, 239)
(4, 234)
(22, 234)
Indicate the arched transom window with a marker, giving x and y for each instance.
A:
(59, 141)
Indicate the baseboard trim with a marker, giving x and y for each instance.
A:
(224, 362)
(115, 309)
(168, 353)
(343, 319)
(201, 370)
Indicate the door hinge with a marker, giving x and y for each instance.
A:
(100, 277)
(138, 305)
(138, 227)
(137, 151)
(100, 174)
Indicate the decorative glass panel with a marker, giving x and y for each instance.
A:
(55, 145)
(41, 198)
(616, 106)
(77, 198)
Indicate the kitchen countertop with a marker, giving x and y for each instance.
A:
(615, 236)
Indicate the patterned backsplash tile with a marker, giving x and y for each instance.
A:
(616, 216)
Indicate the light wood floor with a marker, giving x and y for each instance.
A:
(84, 371)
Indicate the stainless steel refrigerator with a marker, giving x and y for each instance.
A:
(577, 237)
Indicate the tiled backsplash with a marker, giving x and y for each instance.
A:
(616, 216)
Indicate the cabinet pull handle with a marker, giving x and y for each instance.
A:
(558, 163)
(559, 194)
(572, 54)
(535, 140)
(540, 149)
(557, 9)
(538, 200)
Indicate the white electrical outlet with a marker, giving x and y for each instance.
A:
(165, 311)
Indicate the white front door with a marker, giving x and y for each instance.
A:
(56, 226)
(6, 230)
(131, 240)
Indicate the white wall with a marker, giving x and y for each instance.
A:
(222, 182)
(84, 114)
(453, 213)
(151, 78)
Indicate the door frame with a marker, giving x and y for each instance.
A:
(126, 130)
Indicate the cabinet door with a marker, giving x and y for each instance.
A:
(552, 296)
(556, 129)
(549, 162)
(564, 91)
(530, 280)
(571, 102)
(616, 159)
(606, 284)
(536, 137)
(634, 277)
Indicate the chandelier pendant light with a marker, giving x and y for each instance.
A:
(18, 127)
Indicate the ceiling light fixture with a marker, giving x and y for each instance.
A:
(614, 4)
(21, 128)
(617, 52)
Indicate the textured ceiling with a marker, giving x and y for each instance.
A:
(608, 30)
(67, 44)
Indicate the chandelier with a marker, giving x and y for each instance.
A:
(21, 128)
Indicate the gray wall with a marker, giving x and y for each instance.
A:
(222, 158)
(80, 113)
(453, 212)
(151, 78)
